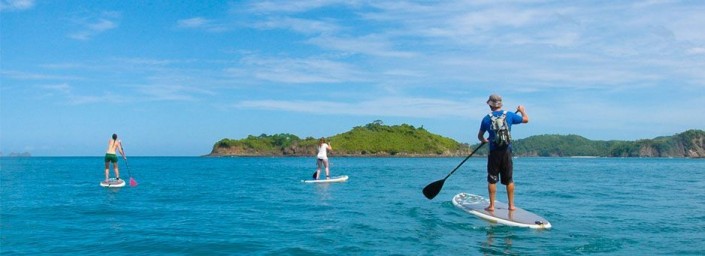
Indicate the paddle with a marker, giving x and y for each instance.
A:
(133, 182)
(432, 190)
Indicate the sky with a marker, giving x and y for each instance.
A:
(171, 78)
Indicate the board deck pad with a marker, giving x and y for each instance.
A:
(476, 205)
(113, 183)
(342, 178)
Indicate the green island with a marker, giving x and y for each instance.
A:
(379, 140)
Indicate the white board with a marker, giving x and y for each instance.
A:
(113, 183)
(342, 178)
(475, 205)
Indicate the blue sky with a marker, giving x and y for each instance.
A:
(173, 77)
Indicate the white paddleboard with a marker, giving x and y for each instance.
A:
(475, 205)
(342, 178)
(113, 183)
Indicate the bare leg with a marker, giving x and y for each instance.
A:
(107, 171)
(117, 172)
(325, 162)
(318, 168)
(492, 189)
(510, 196)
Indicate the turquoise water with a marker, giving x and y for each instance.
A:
(258, 206)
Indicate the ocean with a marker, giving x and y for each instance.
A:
(259, 206)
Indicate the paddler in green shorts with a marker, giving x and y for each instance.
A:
(111, 157)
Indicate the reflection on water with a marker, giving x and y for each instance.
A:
(112, 205)
(322, 190)
(498, 240)
(111, 195)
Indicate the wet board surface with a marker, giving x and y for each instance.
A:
(113, 183)
(342, 178)
(475, 205)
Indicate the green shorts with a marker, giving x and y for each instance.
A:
(111, 158)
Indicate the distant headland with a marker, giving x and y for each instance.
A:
(15, 154)
(379, 140)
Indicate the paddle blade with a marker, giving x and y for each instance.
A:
(432, 190)
(133, 182)
(314, 175)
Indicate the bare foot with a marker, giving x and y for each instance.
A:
(489, 208)
(511, 208)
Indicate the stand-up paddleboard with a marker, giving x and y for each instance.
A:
(342, 178)
(475, 205)
(113, 183)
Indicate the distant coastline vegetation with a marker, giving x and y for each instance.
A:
(15, 154)
(378, 139)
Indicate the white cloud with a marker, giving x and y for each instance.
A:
(374, 45)
(193, 22)
(102, 25)
(293, 6)
(67, 92)
(150, 61)
(696, 50)
(492, 18)
(63, 88)
(16, 5)
(304, 26)
(384, 106)
(20, 75)
(92, 26)
(296, 70)
(202, 23)
(463, 23)
(172, 92)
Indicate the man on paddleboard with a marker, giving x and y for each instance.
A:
(111, 157)
(498, 124)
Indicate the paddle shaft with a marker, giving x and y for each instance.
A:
(133, 182)
(432, 190)
(466, 158)
(128, 168)
(125, 157)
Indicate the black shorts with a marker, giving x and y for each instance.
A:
(500, 166)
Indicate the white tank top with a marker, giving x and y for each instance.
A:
(323, 151)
